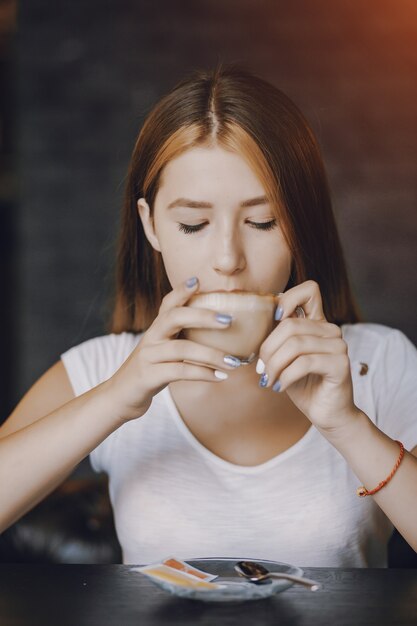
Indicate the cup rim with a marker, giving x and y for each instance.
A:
(237, 292)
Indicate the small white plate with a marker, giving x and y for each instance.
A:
(234, 588)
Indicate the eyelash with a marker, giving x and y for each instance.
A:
(188, 229)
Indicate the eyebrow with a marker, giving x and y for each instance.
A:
(195, 204)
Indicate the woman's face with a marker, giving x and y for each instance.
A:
(212, 220)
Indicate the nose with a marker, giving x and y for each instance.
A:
(229, 258)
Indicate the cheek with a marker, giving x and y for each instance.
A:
(275, 262)
(181, 260)
(286, 261)
(282, 268)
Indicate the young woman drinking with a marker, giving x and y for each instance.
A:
(207, 457)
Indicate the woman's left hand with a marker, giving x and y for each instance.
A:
(307, 358)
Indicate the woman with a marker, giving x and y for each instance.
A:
(206, 457)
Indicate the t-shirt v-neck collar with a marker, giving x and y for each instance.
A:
(213, 458)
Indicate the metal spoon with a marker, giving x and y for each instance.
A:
(257, 573)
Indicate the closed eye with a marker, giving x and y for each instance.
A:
(263, 225)
(188, 229)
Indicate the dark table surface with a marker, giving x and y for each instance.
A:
(79, 595)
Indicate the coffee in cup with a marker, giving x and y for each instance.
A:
(252, 321)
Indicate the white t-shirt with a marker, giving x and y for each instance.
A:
(171, 495)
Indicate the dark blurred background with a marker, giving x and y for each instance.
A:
(77, 79)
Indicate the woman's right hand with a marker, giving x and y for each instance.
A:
(161, 358)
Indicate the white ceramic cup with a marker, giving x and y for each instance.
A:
(252, 321)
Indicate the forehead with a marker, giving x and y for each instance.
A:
(209, 171)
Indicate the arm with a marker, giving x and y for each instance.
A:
(310, 360)
(45, 437)
(50, 431)
(371, 454)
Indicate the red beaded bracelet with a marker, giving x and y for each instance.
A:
(362, 491)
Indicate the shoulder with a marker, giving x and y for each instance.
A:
(95, 360)
(384, 374)
(385, 353)
(371, 332)
(118, 345)
(371, 341)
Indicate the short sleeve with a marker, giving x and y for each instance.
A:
(395, 388)
(96, 360)
(91, 363)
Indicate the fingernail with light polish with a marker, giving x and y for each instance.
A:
(276, 386)
(223, 318)
(279, 313)
(191, 282)
(220, 375)
(263, 381)
(232, 361)
(260, 367)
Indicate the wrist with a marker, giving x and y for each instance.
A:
(115, 409)
(353, 432)
(371, 454)
(121, 412)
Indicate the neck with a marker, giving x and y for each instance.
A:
(244, 377)
(239, 397)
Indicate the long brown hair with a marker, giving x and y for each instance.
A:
(239, 111)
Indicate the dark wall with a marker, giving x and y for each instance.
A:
(8, 202)
(88, 72)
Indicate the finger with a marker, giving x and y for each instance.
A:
(165, 373)
(307, 295)
(297, 346)
(180, 294)
(333, 367)
(169, 323)
(185, 350)
(291, 327)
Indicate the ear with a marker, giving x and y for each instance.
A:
(147, 222)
